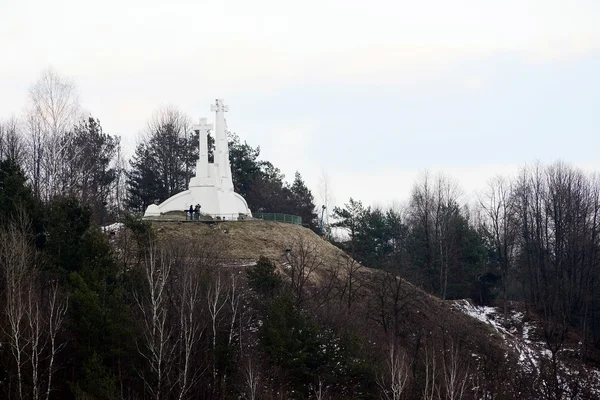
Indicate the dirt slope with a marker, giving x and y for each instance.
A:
(248, 240)
(425, 317)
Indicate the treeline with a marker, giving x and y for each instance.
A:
(532, 238)
(90, 315)
(86, 315)
(65, 152)
(433, 241)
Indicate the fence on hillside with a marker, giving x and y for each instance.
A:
(286, 218)
(185, 216)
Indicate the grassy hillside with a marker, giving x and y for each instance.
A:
(509, 353)
(247, 241)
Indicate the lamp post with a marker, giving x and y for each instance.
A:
(104, 204)
(323, 208)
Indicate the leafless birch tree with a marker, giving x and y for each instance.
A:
(454, 372)
(190, 331)
(56, 314)
(393, 382)
(500, 223)
(157, 348)
(35, 313)
(431, 387)
(251, 379)
(54, 109)
(16, 261)
(216, 299)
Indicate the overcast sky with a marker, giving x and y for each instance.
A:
(371, 92)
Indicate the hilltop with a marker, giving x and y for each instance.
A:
(248, 240)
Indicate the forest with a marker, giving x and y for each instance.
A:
(90, 314)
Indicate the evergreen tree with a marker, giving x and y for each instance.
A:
(163, 164)
(65, 222)
(245, 167)
(92, 153)
(303, 202)
(349, 218)
(264, 187)
(143, 183)
(15, 196)
(101, 322)
(263, 277)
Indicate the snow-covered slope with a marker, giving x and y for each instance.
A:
(525, 335)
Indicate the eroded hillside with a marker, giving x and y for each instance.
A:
(384, 306)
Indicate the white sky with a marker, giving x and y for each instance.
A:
(372, 92)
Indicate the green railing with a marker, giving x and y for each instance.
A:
(286, 218)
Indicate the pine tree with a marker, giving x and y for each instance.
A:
(349, 218)
(92, 154)
(303, 202)
(164, 163)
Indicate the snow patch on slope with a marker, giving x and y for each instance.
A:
(516, 332)
(524, 337)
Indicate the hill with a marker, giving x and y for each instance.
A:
(385, 306)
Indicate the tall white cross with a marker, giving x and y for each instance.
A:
(219, 106)
(202, 166)
(202, 127)
(223, 168)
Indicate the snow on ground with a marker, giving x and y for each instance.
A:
(517, 334)
(520, 335)
(117, 226)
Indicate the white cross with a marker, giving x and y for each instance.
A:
(202, 126)
(219, 106)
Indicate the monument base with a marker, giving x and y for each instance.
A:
(213, 202)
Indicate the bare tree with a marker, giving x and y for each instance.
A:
(447, 210)
(55, 102)
(118, 190)
(36, 150)
(394, 381)
(454, 372)
(56, 314)
(233, 300)
(500, 223)
(54, 109)
(422, 209)
(319, 390)
(16, 261)
(434, 211)
(431, 387)
(304, 261)
(251, 379)
(216, 299)
(34, 319)
(190, 331)
(388, 299)
(157, 349)
(36, 341)
(11, 141)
